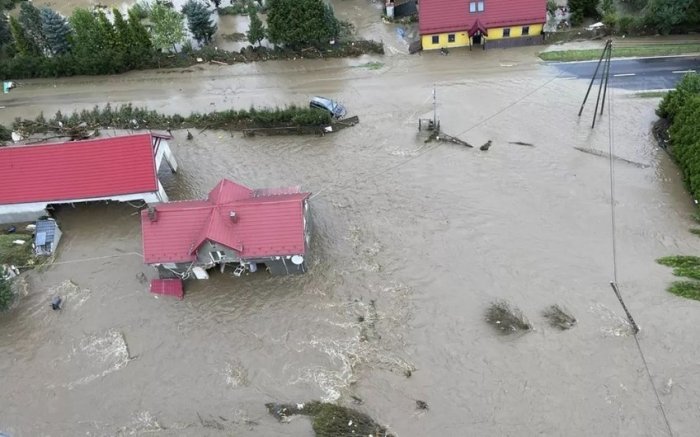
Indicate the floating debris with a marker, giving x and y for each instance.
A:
(607, 155)
(506, 319)
(559, 318)
(485, 146)
(189, 135)
(444, 138)
(356, 400)
(421, 405)
(520, 143)
(330, 420)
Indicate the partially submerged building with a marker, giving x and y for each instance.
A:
(123, 168)
(486, 23)
(235, 225)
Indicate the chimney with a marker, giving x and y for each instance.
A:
(234, 216)
(152, 214)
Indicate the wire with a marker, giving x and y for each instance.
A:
(614, 258)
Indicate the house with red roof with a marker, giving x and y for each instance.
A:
(235, 225)
(492, 23)
(123, 168)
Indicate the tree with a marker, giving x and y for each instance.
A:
(298, 23)
(168, 27)
(665, 15)
(256, 30)
(56, 30)
(138, 35)
(5, 33)
(30, 19)
(107, 31)
(23, 44)
(199, 20)
(581, 9)
(607, 7)
(217, 3)
(121, 31)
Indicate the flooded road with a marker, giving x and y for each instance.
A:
(411, 243)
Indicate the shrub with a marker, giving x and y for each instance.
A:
(7, 295)
(610, 21)
(625, 24)
(674, 101)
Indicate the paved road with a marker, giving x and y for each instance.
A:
(636, 74)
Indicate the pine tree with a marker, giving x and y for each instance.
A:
(23, 44)
(107, 31)
(256, 31)
(168, 27)
(138, 35)
(56, 30)
(121, 29)
(30, 18)
(199, 20)
(5, 33)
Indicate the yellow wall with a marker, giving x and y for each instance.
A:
(461, 38)
(515, 31)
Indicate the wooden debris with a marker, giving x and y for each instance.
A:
(607, 155)
(520, 143)
(559, 318)
(484, 147)
(507, 319)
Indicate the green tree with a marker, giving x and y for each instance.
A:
(199, 21)
(23, 44)
(107, 32)
(256, 30)
(138, 35)
(581, 9)
(298, 23)
(5, 34)
(665, 15)
(30, 18)
(121, 31)
(6, 294)
(168, 27)
(56, 30)
(607, 7)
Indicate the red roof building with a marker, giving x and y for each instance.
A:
(235, 224)
(455, 23)
(118, 168)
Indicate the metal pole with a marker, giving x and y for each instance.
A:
(434, 108)
(635, 328)
(600, 87)
(592, 79)
(607, 74)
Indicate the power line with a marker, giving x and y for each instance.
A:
(611, 145)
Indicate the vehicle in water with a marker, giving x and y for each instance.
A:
(334, 108)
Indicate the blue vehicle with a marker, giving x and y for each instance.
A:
(334, 108)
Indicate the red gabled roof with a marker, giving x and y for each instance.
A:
(265, 225)
(438, 16)
(77, 170)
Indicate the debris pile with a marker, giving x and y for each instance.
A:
(559, 317)
(507, 319)
(330, 420)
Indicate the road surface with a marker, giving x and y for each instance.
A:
(636, 74)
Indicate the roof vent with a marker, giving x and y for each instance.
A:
(152, 214)
(234, 216)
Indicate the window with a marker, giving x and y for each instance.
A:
(477, 6)
(436, 39)
(217, 256)
(480, 6)
(506, 32)
(472, 7)
(526, 30)
(451, 37)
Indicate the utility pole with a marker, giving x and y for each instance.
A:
(604, 56)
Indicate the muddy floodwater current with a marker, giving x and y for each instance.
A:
(411, 243)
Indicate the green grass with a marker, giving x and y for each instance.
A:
(687, 289)
(18, 255)
(621, 52)
(651, 94)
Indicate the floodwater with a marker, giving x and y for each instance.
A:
(414, 239)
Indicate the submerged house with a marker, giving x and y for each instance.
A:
(123, 168)
(46, 237)
(235, 225)
(488, 23)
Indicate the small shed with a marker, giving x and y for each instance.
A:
(46, 237)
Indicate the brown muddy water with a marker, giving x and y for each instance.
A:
(416, 240)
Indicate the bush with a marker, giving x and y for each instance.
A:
(610, 21)
(675, 100)
(625, 24)
(7, 295)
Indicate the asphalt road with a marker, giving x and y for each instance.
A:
(635, 74)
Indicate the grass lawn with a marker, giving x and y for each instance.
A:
(621, 52)
(18, 255)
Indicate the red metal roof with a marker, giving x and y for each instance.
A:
(77, 170)
(438, 16)
(265, 224)
(168, 287)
